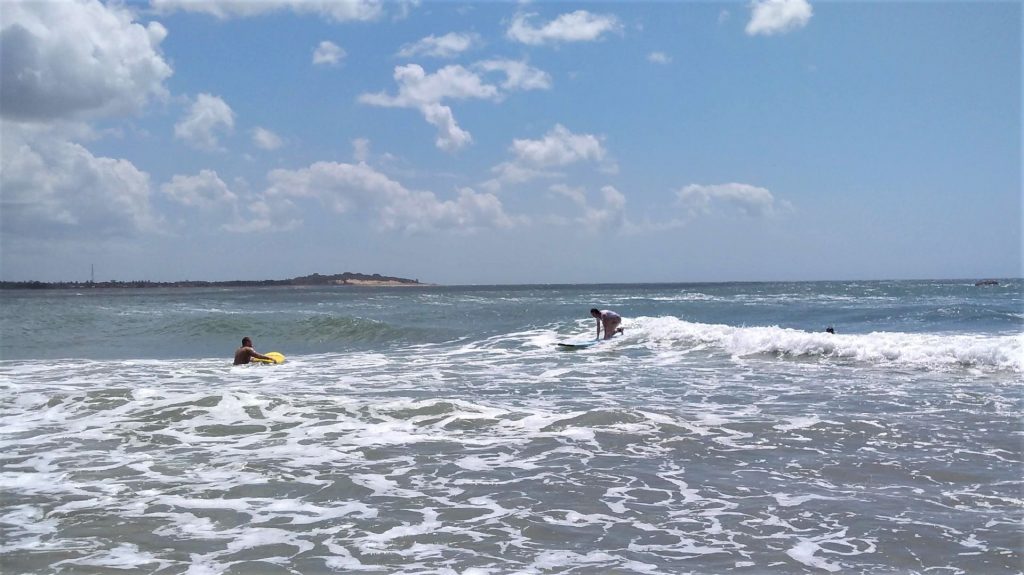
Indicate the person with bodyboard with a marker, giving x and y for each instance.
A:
(246, 353)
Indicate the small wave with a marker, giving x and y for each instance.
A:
(334, 328)
(928, 351)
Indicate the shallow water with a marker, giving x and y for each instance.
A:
(724, 432)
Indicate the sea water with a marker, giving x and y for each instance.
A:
(441, 430)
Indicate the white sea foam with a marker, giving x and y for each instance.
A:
(676, 444)
(805, 552)
(928, 351)
(124, 556)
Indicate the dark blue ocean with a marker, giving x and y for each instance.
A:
(441, 430)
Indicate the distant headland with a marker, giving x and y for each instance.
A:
(345, 279)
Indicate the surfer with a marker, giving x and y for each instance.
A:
(607, 319)
(245, 353)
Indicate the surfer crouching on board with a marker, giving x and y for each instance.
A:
(245, 353)
(607, 319)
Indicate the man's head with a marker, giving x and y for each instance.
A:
(246, 342)
(595, 312)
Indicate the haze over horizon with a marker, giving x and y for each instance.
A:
(510, 143)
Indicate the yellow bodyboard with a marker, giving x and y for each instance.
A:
(275, 357)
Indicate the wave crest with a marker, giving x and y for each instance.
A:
(929, 351)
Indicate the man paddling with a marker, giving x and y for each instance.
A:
(607, 319)
(245, 353)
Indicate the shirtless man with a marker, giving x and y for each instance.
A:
(245, 353)
(607, 319)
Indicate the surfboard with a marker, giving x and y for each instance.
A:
(579, 344)
(275, 357)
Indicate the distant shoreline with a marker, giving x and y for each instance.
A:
(344, 279)
(376, 280)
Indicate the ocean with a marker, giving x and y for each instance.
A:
(441, 430)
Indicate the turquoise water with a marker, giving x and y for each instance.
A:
(441, 430)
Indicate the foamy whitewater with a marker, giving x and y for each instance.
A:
(441, 430)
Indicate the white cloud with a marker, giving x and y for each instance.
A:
(609, 215)
(225, 209)
(356, 188)
(235, 212)
(559, 147)
(750, 200)
(448, 46)
(417, 88)
(258, 215)
(769, 17)
(659, 58)
(450, 136)
(265, 139)
(205, 191)
(331, 10)
(53, 188)
(515, 173)
(576, 195)
(207, 118)
(426, 92)
(578, 26)
(328, 54)
(518, 75)
(70, 60)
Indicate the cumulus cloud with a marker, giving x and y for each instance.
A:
(516, 173)
(213, 199)
(534, 159)
(558, 148)
(264, 139)
(207, 119)
(353, 188)
(53, 189)
(205, 191)
(749, 200)
(609, 214)
(448, 46)
(330, 10)
(770, 17)
(76, 60)
(416, 87)
(328, 54)
(449, 135)
(425, 92)
(578, 26)
(519, 75)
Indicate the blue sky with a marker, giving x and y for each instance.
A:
(501, 142)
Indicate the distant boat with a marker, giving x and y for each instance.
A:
(986, 283)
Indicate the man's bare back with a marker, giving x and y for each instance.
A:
(245, 353)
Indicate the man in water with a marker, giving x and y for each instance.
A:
(245, 353)
(607, 319)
